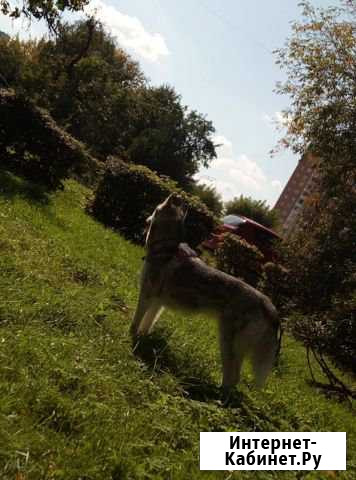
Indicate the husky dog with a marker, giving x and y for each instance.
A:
(174, 277)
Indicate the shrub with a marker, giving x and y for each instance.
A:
(32, 145)
(257, 210)
(275, 283)
(128, 194)
(330, 338)
(331, 332)
(209, 196)
(237, 257)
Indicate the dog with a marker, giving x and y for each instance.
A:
(173, 276)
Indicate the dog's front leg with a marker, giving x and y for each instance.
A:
(144, 303)
(150, 317)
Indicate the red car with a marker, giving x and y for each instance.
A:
(254, 233)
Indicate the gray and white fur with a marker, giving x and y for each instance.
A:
(174, 277)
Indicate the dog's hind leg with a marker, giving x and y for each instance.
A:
(264, 355)
(231, 355)
(150, 317)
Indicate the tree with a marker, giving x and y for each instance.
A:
(257, 210)
(50, 11)
(98, 93)
(319, 60)
(209, 196)
(91, 85)
(169, 138)
(12, 60)
(86, 82)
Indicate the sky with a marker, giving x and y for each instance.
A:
(218, 56)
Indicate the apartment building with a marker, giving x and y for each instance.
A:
(301, 184)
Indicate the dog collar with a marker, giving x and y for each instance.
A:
(182, 251)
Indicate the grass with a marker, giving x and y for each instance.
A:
(76, 403)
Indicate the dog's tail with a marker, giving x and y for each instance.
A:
(268, 346)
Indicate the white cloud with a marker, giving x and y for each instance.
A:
(130, 31)
(248, 173)
(225, 188)
(233, 175)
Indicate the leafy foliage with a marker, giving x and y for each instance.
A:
(332, 332)
(319, 60)
(168, 138)
(32, 144)
(257, 210)
(89, 85)
(82, 78)
(276, 284)
(99, 94)
(128, 194)
(209, 196)
(239, 258)
(50, 11)
(13, 60)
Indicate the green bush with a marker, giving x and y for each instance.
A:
(329, 334)
(128, 194)
(275, 283)
(209, 196)
(237, 257)
(32, 144)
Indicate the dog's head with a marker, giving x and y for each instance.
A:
(166, 224)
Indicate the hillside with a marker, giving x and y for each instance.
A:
(76, 402)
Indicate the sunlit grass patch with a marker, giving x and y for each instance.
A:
(76, 402)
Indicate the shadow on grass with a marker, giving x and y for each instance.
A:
(12, 186)
(156, 353)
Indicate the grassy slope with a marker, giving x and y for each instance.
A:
(75, 401)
